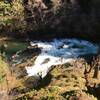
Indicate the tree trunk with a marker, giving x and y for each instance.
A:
(96, 72)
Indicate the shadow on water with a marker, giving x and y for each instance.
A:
(13, 46)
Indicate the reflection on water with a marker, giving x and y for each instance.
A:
(13, 47)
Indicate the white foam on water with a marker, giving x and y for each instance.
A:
(59, 51)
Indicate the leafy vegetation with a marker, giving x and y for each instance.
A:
(66, 82)
(22, 18)
(11, 16)
(53, 18)
(3, 70)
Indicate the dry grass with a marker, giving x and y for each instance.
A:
(67, 83)
(8, 80)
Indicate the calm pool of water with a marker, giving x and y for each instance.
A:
(13, 47)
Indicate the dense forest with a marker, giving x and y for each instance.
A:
(49, 49)
(23, 18)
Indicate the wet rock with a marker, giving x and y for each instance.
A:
(46, 61)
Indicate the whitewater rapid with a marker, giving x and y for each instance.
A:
(58, 51)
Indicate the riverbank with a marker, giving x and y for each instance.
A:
(62, 82)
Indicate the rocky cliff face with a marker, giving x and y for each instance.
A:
(65, 17)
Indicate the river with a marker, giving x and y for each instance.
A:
(59, 51)
(53, 52)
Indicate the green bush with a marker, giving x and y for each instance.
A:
(12, 16)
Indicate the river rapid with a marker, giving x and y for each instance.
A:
(58, 52)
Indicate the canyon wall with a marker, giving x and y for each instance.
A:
(66, 18)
